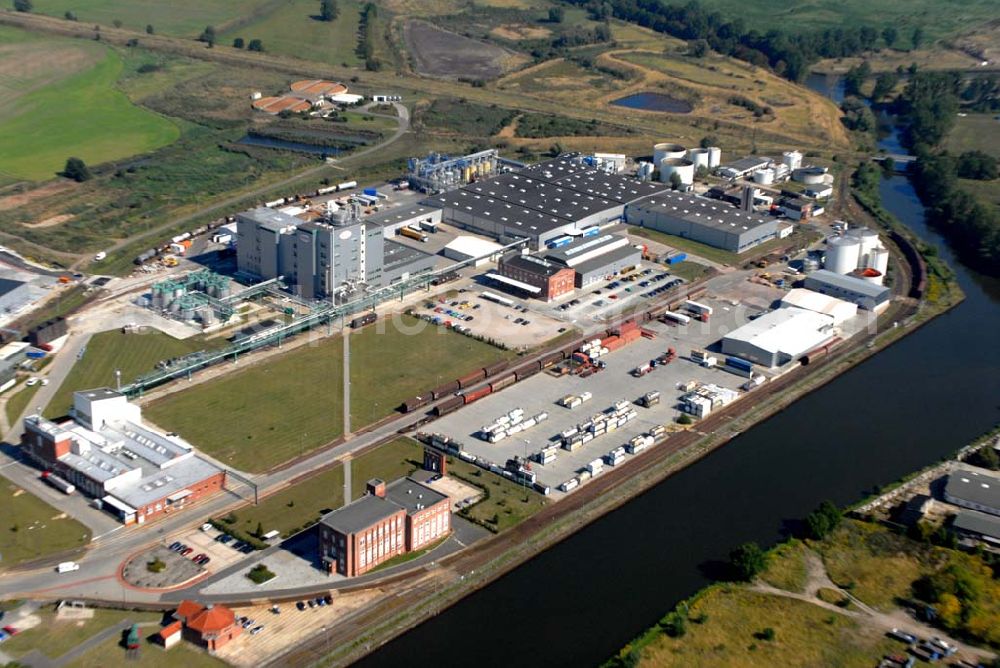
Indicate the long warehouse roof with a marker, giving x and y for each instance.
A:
(504, 213)
(790, 330)
(700, 210)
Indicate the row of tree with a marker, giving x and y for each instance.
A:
(366, 37)
(790, 55)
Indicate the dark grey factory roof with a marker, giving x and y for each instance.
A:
(411, 495)
(360, 514)
(270, 219)
(977, 522)
(700, 210)
(580, 245)
(749, 162)
(556, 168)
(851, 283)
(976, 487)
(616, 255)
(503, 213)
(399, 214)
(530, 263)
(615, 187)
(395, 254)
(540, 195)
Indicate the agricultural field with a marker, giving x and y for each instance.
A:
(256, 418)
(975, 132)
(132, 354)
(184, 18)
(32, 529)
(938, 19)
(292, 28)
(440, 53)
(390, 364)
(59, 100)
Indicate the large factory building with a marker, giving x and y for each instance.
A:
(868, 295)
(703, 220)
(542, 202)
(596, 258)
(320, 259)
(779, 336)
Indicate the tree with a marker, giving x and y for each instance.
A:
(255, 45)
(675, 181)
(884, 84)
(70, 16)
(77, 170)
(823, 520)
(24, 5)
(917, 38)
(699, 48)
(328, 10)
(260, 530)
(207, 35)
(986, 457)
(238, 43)
(747, 561)
(556, 14)
(709, 140)
(149, 29)
(675, 624)
(888, 165)
(766, 633)
(684, 419)
(117, 23)
(890, 35)
(979, 166)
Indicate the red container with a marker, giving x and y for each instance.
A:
(477, 394)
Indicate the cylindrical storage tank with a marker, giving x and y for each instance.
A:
(809, 175)
(869, 242)
(792, 159)
(764, 176)
(842, 254)
(175, 306)
(700, 158)
(810, 264)
(714, 157)
(667, 150)
(682, 166)
(224, 290)
(878, 260)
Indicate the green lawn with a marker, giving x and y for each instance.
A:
(32, 529)
(296, 507)
(54, 114)
(975, 132)
(110, 652)
(18, 401)
(395, 459)
(291, 30)
(258, 417)
(133, 354)
(687, 245)
(186, 18)
(390, 364)
(786, 567)
(689, 271)
(54, 638)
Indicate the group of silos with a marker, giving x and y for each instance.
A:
(858, 252)
(179, 298)
(672, 159)
(791, 163)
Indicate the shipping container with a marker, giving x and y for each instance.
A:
(361, 321)
(676, 259)
(739, 363)
(347, 185)
(569, 485)
(477, 394)
(472, 378)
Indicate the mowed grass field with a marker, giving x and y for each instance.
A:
(975, 132)
(54, 637)
(58, 99)
(132, 354)
(185, 18)
(32, 529)
(292, 30)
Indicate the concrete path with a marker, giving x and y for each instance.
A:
(346, 336)
(347, 480)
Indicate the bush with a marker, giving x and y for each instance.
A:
(156, 566)
(77, 170)
(747, 561)
(260, 574)
(684, 419)
(765, 634)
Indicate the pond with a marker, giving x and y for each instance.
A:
(654, 102)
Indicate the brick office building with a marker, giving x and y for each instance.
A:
(535, 276)
(389, 520)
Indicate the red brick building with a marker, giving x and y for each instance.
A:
(388, 521)
(209, 626)
(538, 277)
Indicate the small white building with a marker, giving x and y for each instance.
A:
(465, 247)
(838, 309)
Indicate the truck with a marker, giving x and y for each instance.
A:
(67, 567)
(428, 226)
(649, 399)
(676, 259)
(59, 483)
(642, 370)
(411, 233)
(678, 318)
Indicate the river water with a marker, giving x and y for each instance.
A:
(902, 409)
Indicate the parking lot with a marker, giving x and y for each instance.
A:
(616, 383)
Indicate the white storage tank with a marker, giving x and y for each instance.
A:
(869, 242)
(667, 150)
(714, 157)
(842, 254)
(792, 159)
(765, 177)
(809, 175)
(682, 166)
(700, 157)
(878, 260)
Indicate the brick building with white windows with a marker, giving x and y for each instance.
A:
(387, 521)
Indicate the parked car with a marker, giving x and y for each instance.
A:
(247, 548)
(256, 630)
(198, 557)
(186, 551)
(176, 545)
(31, 382)
(329, 599)
(320, 601)
(207, 526)
(11, 631)
(312, 604)
(300, 605)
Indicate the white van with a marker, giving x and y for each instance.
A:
(67, 567)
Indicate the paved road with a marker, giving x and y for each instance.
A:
(347, 382)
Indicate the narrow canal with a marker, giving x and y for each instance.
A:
(906, 407)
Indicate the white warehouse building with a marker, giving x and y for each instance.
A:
(780, 336)
(465, 247)
(838, 309)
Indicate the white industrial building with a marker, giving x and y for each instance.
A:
(395, 218)
(780, 336)
(867, 294)
(463, 248)
(858, 248)
(838, 309)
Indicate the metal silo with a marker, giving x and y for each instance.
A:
(667, 150)
(842, 254)
(793, 159)
(681, 166)
(714, 157)
(878, 259)
(765, 177)
(700, 157)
